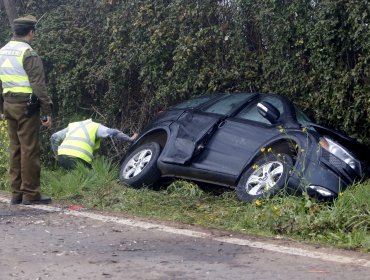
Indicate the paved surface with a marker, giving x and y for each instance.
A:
(39, 244)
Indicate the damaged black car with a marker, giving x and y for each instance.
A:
(258, 144)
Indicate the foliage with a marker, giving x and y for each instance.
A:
(4, 154)
(121, 61)
(318, 53)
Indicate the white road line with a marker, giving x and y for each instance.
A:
(199, 234)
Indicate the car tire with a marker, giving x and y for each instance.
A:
(266, 177)
(140, 167)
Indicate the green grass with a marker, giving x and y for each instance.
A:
(344, 223)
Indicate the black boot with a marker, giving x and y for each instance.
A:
(42, 200)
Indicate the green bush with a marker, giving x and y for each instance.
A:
(318, 54)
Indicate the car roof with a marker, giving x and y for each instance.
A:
(202, 101)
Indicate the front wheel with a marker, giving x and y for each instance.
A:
(266, 177)
(140, 166)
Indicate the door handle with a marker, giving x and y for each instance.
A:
(221, 124)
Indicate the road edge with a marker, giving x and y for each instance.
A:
(199, 234)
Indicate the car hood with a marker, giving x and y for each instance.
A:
(361, 151)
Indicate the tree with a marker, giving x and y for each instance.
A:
(10, 9)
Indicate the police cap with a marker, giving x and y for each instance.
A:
(26, 21)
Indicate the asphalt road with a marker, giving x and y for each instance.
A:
(55, 243)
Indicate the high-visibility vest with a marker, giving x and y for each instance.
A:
(12, 74)
(80, 140)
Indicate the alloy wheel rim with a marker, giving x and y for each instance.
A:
(264, 178)
(137, 164)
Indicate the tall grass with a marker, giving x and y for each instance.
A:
(81, 183)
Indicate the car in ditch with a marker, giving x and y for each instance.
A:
(255, 143)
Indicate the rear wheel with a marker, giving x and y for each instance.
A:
(266, 177)
(140, 166)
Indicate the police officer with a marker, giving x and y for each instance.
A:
(21, 76)
(79, 140)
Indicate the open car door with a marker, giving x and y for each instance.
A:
(189, 135)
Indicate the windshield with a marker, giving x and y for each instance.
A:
(193, 103)
(228, 104)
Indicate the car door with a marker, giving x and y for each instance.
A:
(186, 133)
(237, 139)
(194, 127)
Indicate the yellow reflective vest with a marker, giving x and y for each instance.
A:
(80, 140)
(12, 74)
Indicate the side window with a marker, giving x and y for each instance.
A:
(227, 105)
(251, 113)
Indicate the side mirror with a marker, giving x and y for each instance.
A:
(268, 111)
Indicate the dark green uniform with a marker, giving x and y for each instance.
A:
(24, 131)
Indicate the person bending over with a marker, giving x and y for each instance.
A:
(77, 142)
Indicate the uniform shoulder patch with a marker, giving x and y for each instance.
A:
(33, 53)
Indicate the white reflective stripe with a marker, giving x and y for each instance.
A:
(18, 84)
(12, 59)
(81, 125)
(84, 128)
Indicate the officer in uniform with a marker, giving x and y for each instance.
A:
(22, 76)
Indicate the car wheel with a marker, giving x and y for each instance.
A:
(140, 166)
(265, 178)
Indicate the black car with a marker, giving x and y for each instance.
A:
(256, 143)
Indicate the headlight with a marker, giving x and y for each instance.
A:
(322, 191)
(339, 152)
